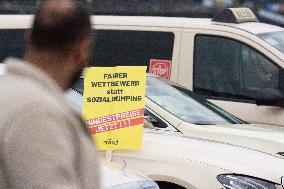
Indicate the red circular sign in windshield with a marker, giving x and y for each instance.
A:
(161, 68)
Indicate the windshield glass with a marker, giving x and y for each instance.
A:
(181, 102)
(185, 105)
(276, 39)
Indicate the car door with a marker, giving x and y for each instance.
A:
(230, 70)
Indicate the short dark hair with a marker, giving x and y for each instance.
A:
(60, 30)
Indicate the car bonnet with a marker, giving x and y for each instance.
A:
(264, 138)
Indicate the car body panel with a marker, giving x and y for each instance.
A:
(252, 113)
(2, 69)
(169, 154)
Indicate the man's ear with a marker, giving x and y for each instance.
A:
(28, 36)
(82, 52)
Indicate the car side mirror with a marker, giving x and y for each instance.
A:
(270, 97)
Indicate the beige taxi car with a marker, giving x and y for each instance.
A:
(192, 143)
(233, 60)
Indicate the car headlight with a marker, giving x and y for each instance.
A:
(147, 184)
(244, 182)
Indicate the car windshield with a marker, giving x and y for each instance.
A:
(275, 39)
(181, 102)
(185, 105)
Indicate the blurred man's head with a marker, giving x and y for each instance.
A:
(61, 31)
(59, 25)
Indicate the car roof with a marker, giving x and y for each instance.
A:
(2, 69)
(254, 27)
(15, 21)
(177, 22)
(24, 21)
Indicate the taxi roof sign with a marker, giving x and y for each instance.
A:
(235, 15)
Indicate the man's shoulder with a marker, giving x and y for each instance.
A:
(17, 95)
(22, 90)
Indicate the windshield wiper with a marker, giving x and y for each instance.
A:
(203, 123)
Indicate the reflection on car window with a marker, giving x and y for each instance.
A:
(183, 106)
(259, 73)
(275, 39)
(233, 70)
(180, 102)
(209, 105)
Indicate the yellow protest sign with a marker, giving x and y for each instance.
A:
(113, 106)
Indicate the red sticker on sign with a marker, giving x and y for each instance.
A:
(161, 68)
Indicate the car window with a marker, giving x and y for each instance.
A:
(231, 70)
(12, 43)
(258, 72)
(275, 39)
(131, 48)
